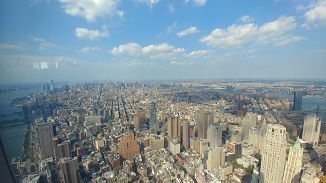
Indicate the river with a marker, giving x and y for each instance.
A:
(13, 141)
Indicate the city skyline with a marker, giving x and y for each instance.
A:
(138, 39)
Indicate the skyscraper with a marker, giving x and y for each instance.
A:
(173, 126)
(293, 164)
(204, 119)
(152, 120)
(273, 154)
(249, 121)
(297, 101)
(62, 150)
(69, 170)
(214, 135)
(185, 130)
(311, 129)
(45, 135)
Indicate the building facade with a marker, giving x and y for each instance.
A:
(293, 164)
(311, 129)
(273, 154)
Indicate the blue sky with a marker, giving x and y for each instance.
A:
(77, 40)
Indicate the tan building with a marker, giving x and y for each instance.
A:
(216, 158)
(128, 146)
(99, 143)
(173, 126)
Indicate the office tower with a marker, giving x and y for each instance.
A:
(297, 101)
(311, 129)
(128, 146)
(173, 126)
(153, 121)
(185, 130)
(249, 120)
(204, 119)
(236, 136)
(45, 135)
(214, 135)
(273, 154)
(69, 170)
(140, 118)
(216, 157)
(52, 88)
(62, 150)
(293, 164)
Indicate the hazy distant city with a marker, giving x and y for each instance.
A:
(167, 131)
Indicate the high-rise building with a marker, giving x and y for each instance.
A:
(311, 129)
(204, 119)
(128, 146)
(297, 101)
(173, 126)
(249, 121)
(273, 154)
(216, 157)
(45, 135)
(214, 135)
(62, 150)
(293, 164)
(140, 118)
(152, 120)
(174, 146)
(185, 130)
(69, 170)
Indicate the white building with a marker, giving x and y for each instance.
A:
(311, 129)
(273, 154)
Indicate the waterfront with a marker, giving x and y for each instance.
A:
(13, 136)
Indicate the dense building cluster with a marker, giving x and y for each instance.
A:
(173, 132)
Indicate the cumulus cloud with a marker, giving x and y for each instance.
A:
(233, 36)
(128, 48)
(148, 2)
(190, 30)
(89, 49)
(316, 14)
(91, 34)
(246, 19)
(91, 9)
(275, 32)
(162, 51)
(199, 53)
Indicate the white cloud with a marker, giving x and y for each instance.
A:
(171, 28)
(199, 53)
(162, 51)
(269, 32)
(90, 9)
(170, 8)
(89, 49)
(287, 40)
(199, 2)
(129, 48)
(190, 30)
(233, 36)
(316, 15)
(148, 2)
(246, 19)
(43, 44)
(274, 32)
(177, 63)
(91, 34)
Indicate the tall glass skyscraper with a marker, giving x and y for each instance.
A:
(297, 102)
(152, 120)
